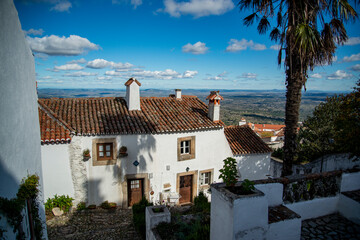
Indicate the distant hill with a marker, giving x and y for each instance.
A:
(256, 106)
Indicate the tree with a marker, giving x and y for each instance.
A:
(334, 127)
(308, 31)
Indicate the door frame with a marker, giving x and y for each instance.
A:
(124, 187)
(194, 182)
(142, 180)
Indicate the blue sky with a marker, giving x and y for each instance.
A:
(168, 44)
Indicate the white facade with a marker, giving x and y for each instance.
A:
(253, 166)
(19, 142)
(158, 165)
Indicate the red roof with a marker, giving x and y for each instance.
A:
(52, 131)
(110, 115)
(243, 140)
(274, 127)
(131, 80)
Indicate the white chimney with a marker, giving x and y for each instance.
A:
(214, 106)
(242, 122)
(178, 94)
(133, 94)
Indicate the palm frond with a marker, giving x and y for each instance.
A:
(307, 39)
(275, 34)
(249, 20)
(338, 30)
(264, 25)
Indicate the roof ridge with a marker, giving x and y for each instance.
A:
(54, 116)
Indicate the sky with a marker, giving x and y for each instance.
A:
(165, 44)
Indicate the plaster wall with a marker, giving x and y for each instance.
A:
(285, 230)
(59, 180)
(315, 208)
(273, 193)
(155, 154)
(350, 182)
(153, 219)
(349, 208)
(20, 139)
(253, 166)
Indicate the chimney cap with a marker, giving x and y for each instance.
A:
(214, 95)
(131, 80)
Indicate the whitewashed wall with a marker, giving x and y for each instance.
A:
(56, 174)
(19, 120)
(253, 166)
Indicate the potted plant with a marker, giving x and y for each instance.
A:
(123, 151)
(86, 154)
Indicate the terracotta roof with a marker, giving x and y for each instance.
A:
(110, 115)
(268, 126)
(51, 130)
(214, 95)
(131, 80)
(243, 140)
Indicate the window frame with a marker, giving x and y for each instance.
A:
(211, 179)
(102, 158)
(186, 155)
(100, 161)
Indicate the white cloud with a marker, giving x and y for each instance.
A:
(352, 58)
(32, 31)
(248, 75)
(221, 76)
(339, 74)
(62, 6)
(316, 75)
(356, 68)
(71, 66)
(80, 74)
(104, 78)
(61, 46)
(46, 77)
(81, 60)
(236, 45)
(135, 3)
(197, 8)
(113, 73)
(352, 41)
(102, 63)
(166, 74)
(197, 48)
(275, 47)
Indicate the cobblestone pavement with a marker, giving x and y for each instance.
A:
(93, 224)
(332, 226)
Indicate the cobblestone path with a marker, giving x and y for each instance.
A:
(93, 224)
(332, 226)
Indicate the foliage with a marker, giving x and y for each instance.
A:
(308, 31)
(81, 206)
(229, 172)
(12, 208)
(278, 153)
(247, 186)
(107, 205)
(63, 202)
(123, 149)
(138, 210)
(334, 127)
(86, 152)
(201, 203)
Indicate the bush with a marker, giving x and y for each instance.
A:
(81, 206)
(201, 203)
(63, 202)
(105, 205)
(138, 210)
(229, 172)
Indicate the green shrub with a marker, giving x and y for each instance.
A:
(247, 186)
(229, 172)
(63, 202)
(201, 203)
(138, 210)
(105, 205)
(81, 206)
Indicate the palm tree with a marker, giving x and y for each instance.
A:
(308, 31)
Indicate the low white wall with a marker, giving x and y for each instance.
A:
(315, 208)
(350, 182)
(153, 219)
(273, 193)
(56, 170)
(349, 208)
(285, 230)
(253, 166)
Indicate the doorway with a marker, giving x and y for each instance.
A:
(135, 190)
(186, 189)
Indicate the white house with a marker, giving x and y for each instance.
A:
(175, 146)
(19, 129)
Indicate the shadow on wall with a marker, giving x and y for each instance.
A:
(253, 167)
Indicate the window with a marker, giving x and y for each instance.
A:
(104, 151)
(206, 177)
(186, 148)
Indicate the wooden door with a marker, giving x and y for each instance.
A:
(135, 191)
(185, 189)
